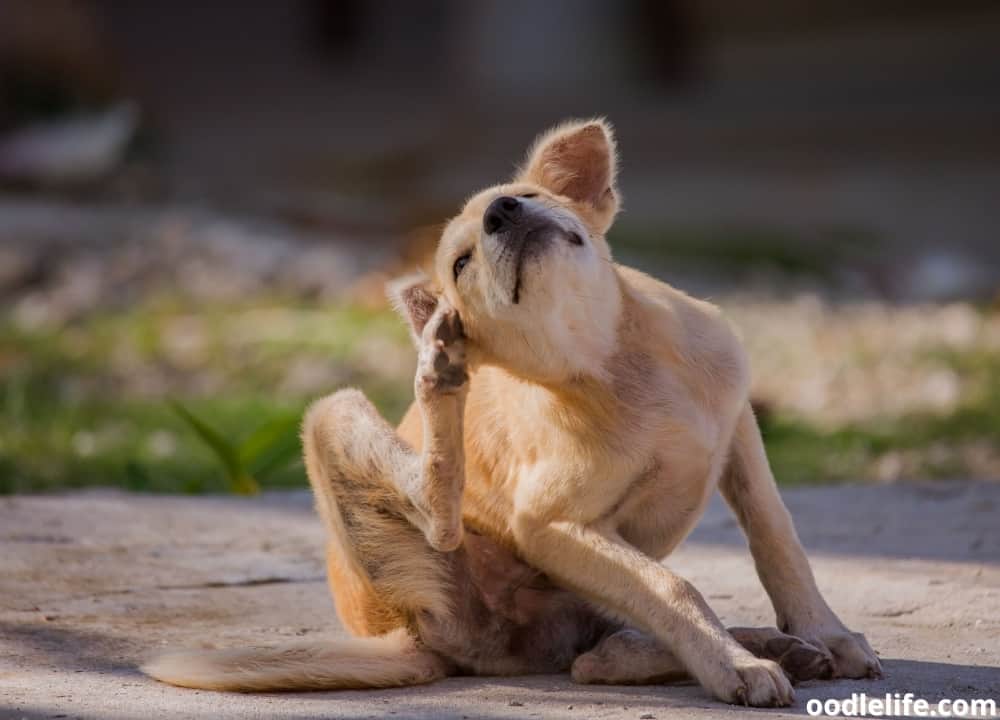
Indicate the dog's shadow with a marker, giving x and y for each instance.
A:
(544, 696)
(549, 696)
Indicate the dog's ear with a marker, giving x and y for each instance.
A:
(416, 299)
(578, 160)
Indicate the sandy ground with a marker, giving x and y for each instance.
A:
(91, 583)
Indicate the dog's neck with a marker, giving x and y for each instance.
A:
(587, 398)
(571, 347)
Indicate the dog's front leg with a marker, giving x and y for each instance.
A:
(622, 580)
(749, 488)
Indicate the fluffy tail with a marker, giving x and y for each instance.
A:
(386, 661)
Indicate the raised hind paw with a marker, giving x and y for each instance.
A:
(440, 385)
(441, 357)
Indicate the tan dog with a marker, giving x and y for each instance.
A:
(572, 417)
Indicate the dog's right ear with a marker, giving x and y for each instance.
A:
(416, 299)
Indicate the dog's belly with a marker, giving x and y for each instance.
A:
(507, 618)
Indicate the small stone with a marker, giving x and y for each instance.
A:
(515, 703)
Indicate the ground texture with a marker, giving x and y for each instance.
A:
(91, 583)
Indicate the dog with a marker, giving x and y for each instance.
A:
(572, 418)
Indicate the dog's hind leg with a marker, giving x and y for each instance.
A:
(628, 657)
(631, 657)
(382, 571)
(389, 508)
(381, 567)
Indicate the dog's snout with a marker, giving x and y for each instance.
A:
(502, 212)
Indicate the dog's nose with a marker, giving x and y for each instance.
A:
(503, 211)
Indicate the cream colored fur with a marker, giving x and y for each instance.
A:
(602, 409)
(387, 661)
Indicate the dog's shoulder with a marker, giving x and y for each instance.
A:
(690, 336)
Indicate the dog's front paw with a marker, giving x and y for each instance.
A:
(752, 681)
(852, 656)
(441, 358)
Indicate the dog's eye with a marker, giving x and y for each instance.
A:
(575, 239)
(528, 195)
(460, 264)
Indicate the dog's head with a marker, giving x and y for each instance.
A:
(526, 263)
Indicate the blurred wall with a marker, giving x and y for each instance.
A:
(878, 117)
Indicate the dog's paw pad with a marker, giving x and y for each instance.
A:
(448, 328)
(441, 365)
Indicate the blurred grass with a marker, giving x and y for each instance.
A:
(737, 249)
(88, 403)
(801, 453)
(937, 445)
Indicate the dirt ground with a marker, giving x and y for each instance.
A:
(91, 583)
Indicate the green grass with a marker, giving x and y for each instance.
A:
(90, 404)
(737, 248)
(115, 443)
(936, 445)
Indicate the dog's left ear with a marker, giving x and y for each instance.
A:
(416, 299)
(578, 160)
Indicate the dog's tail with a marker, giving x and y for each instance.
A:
(387, 661)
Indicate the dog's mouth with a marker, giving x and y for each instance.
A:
(531, 245)
(516, 247)
(515, 295)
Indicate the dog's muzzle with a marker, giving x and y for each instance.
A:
(517, 233)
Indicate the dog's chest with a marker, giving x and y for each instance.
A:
(663, 504)
(644, 465)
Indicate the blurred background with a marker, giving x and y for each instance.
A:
(200, 203)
